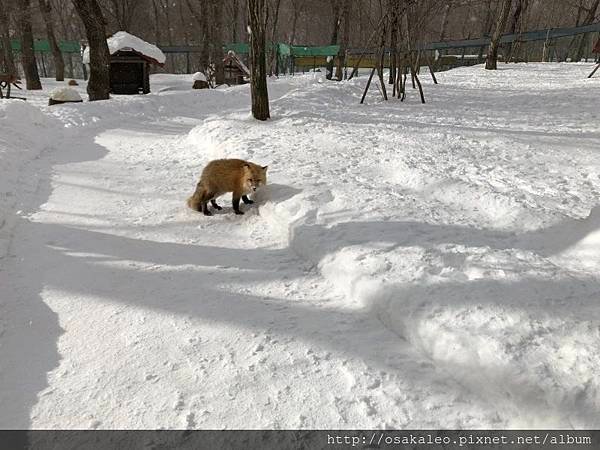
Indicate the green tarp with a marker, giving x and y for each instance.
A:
(288, 50)
(240, 48)
(328, 50)
(43, 46)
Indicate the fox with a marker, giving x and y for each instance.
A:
(227, 175)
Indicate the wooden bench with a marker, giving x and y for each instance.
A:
(6, 81)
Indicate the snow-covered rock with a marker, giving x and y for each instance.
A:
(65, 94)
(199, 76)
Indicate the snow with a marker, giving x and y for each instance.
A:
(122, 40)
(408, 265)
(65, 94)
(198, 76)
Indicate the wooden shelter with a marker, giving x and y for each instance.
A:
(130, 59)
(236, 71)
(130, 72)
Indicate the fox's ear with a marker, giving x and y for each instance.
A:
(265, 168)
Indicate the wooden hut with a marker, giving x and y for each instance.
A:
(130, 59)
(236, 71)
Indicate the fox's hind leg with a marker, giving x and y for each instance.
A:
(207, 196)
(246, 200)
(215, 205)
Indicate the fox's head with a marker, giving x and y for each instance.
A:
(255, 176)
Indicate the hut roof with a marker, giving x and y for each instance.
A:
(233, 58)
(128, 42)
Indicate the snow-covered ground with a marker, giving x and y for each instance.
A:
(408, 266)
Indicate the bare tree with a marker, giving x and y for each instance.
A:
(345, 39)
(517, 25)
(297, 9)
(201, 17)
(589, 19)
(272, 48)
(123, 12)
(32, 77)
(335, 4)
(217, 41)
(445, 18)
(257, 17)
(91, 15)
(7, 55)
(59, 63)
(491, 62)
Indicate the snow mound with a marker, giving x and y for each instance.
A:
(65, 94)
(199, 76)
(125, 41)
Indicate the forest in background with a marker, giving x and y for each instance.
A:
(210, 23)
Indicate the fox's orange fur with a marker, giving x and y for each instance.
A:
(227, 175)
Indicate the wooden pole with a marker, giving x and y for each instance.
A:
(368, 84)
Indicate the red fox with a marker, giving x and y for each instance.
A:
(227, 175)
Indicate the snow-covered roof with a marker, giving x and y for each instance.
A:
(231, 56)
(125, 41)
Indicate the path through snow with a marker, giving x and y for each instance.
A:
(409, 266)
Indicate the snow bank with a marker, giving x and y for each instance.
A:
(124, 41)
(24, 132)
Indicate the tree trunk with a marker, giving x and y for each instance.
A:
(589, 19)
(273, 48)
(381, 59)
(59, 63)
(393, 12)
(486, 26)
(32, 77)
(445, 20)
(258, 64)
(491, 62)
(517, 27)
(98, 87)
(297, 9)
(217, 41)
(7, 54)
(157, 25)
(202, 20)
(234, 20)
(334, 36)
(344, 43)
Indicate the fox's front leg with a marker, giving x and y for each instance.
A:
(215, 205)
(246, 200)
(236, 203)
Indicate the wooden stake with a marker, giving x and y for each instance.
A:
(367, 86)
